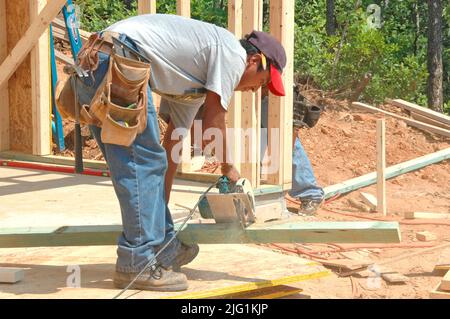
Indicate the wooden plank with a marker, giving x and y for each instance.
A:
(393, 277)
(426, 215)
(235, 107)
(281, 108)
(421, 110)
(11, 275)
(221, 292)
(305, 232)
(414, 123)
(381, 167)
(251, 105)
(4, 96)
(52, 159)
(425, 236)
(184, 8)
(437, 293)
(40, 87)
(369, 200)
(427, 120)
(30, 38)
(445, 283)
(392, 171)
(146, 6)
(63, 58)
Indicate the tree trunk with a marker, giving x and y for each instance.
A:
(331, 23)
(434, 64)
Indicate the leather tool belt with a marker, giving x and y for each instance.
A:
(119, 105)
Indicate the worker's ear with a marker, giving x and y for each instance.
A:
(254, 59)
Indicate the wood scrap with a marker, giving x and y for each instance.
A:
(445, 283)
(425, 236)
(395, 259)
(438, 293)
(443, 263)
(63, 58)
(369, 200)
(426, 215)
(394, 277)
(11, 275)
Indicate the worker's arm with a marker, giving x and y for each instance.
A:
(214, 116)
(168, 145)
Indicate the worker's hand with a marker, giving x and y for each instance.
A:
(231, 172)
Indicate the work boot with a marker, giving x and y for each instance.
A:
(156, 278)
(185, 255)
(309, 207)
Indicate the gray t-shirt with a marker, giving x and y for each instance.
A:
(186, 55)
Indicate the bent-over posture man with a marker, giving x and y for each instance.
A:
(192, 63)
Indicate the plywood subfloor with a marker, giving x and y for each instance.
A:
(217, 268)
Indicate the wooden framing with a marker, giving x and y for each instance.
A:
(211, 233)
(40, 87)
(381, 167)
(281, 108)
(251, 104)
(235, 107)
(4, 96)
(392, 171)
(146, 6)
(184, 8)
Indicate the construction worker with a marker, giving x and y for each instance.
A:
(304, 184)
(192, 63)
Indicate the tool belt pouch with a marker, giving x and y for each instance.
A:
(120, 104)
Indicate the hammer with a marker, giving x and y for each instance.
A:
(75, 71)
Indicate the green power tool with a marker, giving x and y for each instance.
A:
(239, 194)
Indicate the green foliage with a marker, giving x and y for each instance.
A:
(99, 14)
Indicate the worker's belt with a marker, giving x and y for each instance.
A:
(119, 105)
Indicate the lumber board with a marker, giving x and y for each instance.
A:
(305, 232)
(280, 108)
(251, 105)
(392, 171)
(437, 293)
(184, 8)
(235, 108)
(64, 58)
(11, 275)
(253, 286)
(426, 215)
(4, 96)
(421, 110)
(421, 118)
(30, 38)
(445, 283)
(381, 167)
(52, 159)
(414, 123)
(444, 261)
(40, 93)
(369, 200)
(146, 6)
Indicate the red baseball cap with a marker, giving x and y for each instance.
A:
(274, 51)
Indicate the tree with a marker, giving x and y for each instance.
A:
(434, 55)
(331, 20)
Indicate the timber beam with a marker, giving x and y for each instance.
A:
(299, 232)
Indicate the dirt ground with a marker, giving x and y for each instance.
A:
(343, 146)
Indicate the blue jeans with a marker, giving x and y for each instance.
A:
(304, 184)
(137, 174)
